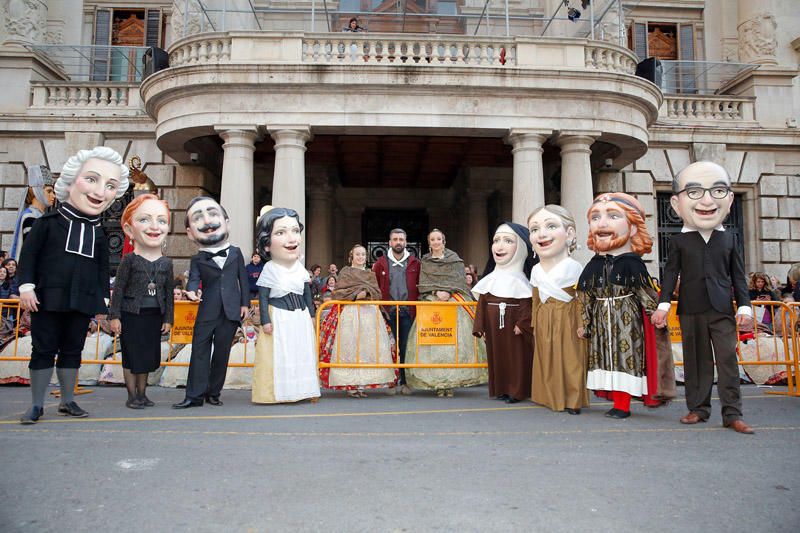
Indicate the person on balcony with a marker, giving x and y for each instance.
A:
(353, 26)
(64, 273)
(357, 333)
(442, 279)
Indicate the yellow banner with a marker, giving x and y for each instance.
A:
(674, 325)
(436, 324)
(185, 315)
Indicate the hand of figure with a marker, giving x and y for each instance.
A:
(165, 327)
(480, 334)
(192, 296)
(267, 328)
(115, 325)
(581, 333)
(243, 311)
(659, 319)
(28, 301)
(745, 322)
(517, 331)
(443, 295)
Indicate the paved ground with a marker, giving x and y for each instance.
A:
(415, 463)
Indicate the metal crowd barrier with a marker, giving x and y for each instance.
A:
(785, 320)
(470, 362)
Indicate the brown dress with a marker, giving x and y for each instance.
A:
(510, 356)
(559, 367)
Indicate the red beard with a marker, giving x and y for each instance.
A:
(608, 245)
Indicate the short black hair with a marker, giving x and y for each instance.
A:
(200, 199)
(264, 228)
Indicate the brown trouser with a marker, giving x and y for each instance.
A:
(700, 332)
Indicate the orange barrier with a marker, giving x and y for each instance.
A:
(470, 306)
(784, 338)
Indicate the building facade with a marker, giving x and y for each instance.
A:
(448, 114)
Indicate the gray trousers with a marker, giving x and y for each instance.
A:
(700, 332)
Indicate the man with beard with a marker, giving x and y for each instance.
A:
(220, 268)
(618, 295)
(398, 276)
(710, 268)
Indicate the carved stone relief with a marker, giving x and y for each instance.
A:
(757, 42)
(25, 20)
(186, 18)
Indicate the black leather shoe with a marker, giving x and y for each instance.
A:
(145, 401)
(214, 400)
(72, 409)
(186, 403)
(32, 416)
(503, 397)
(512, 400)
(134, 403)
(573, 411)
(618, 414)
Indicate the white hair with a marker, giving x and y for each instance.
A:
(74, 164)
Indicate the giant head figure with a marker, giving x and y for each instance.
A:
(702, 196)
(616, 225)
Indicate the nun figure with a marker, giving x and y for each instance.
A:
(503, 316)
(559, 369)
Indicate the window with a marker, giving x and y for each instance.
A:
(123, 27)
(662, 40)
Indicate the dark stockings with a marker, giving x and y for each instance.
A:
(136, 385)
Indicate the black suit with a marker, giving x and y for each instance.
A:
(225, 292)
(710, 274)
(70, 287)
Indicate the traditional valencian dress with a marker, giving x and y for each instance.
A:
(285, 366)
(559, 368)
(504, 301)
(446, 274)
(618, 295)
(356, 334)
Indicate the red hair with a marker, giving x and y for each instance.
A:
(131, 208)
(641, 242)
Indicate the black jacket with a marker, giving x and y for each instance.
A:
(708, 272)
(64, 281)
(225, 288)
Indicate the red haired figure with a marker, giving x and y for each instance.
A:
(618, 295)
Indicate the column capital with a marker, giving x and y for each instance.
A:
(526, 139)
(238, 135)
(294, 134)
(576, 141)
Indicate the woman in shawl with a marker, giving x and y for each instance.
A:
(285, 367)
(356, 333)
(559, 368)
(442, 279)
(503, 317)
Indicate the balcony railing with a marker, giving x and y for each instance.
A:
(95, 63)
(87, 98)
(735, 110)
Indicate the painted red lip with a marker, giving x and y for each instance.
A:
(705, 212)
(95, 201)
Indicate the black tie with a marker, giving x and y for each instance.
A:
(221, 253)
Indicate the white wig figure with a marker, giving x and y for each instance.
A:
(74, 164)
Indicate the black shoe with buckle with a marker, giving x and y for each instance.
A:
(72, 409)
(32, 415)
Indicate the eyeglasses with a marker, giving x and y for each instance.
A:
(695, 193)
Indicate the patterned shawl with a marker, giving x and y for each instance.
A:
(352, 280)
(443, 274)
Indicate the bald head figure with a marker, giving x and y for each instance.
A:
(702, 195)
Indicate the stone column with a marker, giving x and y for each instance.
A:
(236, 194)
(477, 251)
(576, 184)
(528, 184)
(25, 21)
(319, 232)
(757, 25)
(289, 181)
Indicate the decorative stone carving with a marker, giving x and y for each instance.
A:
(186, 18)
(25, 20)
(730, 50)
(757, 42)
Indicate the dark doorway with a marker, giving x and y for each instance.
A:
(377, 223)
(670, 223)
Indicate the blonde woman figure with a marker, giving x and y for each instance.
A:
(356, 333)
(559, 368)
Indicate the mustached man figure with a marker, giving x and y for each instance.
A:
(219, 266)
(711, 270)
(64, 273)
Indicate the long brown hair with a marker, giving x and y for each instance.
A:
(641, 242)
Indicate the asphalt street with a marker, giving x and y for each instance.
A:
(395, 463)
